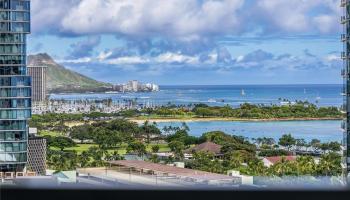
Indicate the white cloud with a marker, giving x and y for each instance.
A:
(180, 18)
(176, 58)
(127, 60)
(300, 16)
(76, 61)
(185, 20)
(240, 58)
(332, 57)
(326, 23)
(103, 55)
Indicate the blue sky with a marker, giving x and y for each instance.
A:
(176, 42)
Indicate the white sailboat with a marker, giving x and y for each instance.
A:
(243, 92)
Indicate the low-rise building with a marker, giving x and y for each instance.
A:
(269, 161)
(208, 147)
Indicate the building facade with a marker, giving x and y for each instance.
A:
(345, 20)
(38, 75)
(37, 155)
(15, 84)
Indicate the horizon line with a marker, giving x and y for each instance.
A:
(286, 84)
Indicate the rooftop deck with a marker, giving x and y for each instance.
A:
(161, 169)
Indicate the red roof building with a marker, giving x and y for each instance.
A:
(268, 161)
(209, 147)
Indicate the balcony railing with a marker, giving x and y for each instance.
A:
(344, 38)
(343, 92)
(342, 109)
(343, 3)
(343, 19)
(343, 125)
(343, 73)
(343, 55)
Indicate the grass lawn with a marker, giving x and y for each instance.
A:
(122, 150)
(162, 147)
(51, 133)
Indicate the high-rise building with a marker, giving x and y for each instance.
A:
(38, 74)
(345, 20)
(15, 84)
(133, 85)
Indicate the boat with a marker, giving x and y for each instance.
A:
(111, 92)
(243, 92)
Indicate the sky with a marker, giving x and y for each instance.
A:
(192, 42)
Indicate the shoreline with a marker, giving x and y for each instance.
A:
(165, 120)
(160, 120)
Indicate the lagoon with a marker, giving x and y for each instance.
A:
(324, 130)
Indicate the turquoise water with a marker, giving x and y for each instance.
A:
(321, 95)
(323, 130)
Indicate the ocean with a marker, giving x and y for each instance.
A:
(321, 95)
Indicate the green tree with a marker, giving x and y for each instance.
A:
(97, 155)
(113, 156)
(300, 143)
(324, 147)
(155, 148)
(149, 130)
(206, 162)
(61, 142)
(203, 112)
(315, 143)
(177, 148)
(287, 141)
(154, 158)
(306, 165)
(84, 159)
(284, 168)
(330, 164)
(256, 167)
(334, 146)
(137, 147)
(83, 132)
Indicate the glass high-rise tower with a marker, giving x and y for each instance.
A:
(345, 20)
(15, 85)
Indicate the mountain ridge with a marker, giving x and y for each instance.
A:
(61, 79)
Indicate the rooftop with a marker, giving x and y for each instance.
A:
(275, 159)
(171, 170)
(206, 147)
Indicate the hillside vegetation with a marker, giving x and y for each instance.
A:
(61, 79)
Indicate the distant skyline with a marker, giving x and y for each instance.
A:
(199, 42)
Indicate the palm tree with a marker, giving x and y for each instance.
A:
(306, 165)
(84, 159)
(256, 168)
(330, 164)
(283, 168)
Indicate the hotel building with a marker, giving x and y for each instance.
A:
(15, 84)
(38, 74)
